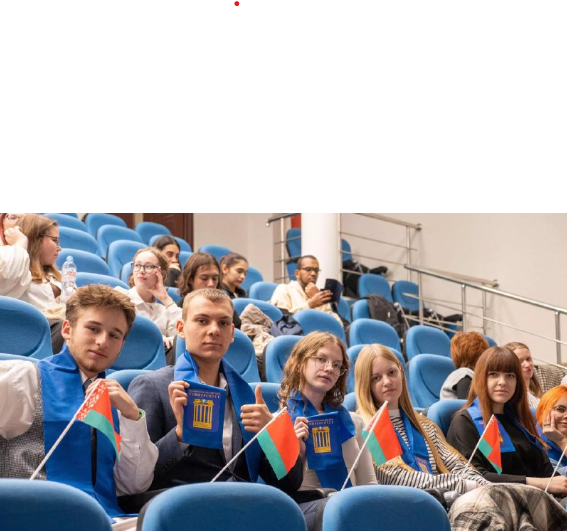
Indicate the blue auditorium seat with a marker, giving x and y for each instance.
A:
(143, 348)
(316, 320)
(223, 506)
(277, 353)
(120, 252)
(344, 309)
(77, 239)
(95, 221)
(367, 331)
(350, 402)
(421, 339)
(401, 291)
(24, 330)
(442, 413)
(274, 313)
(111, 233)
(72, 214)
(64, 220)
(8, 357)
(384, 508)
(293, 243)
(86, 262)
(84, 279)
(148, 229)
(428, 372)
(48, 506)
(183, 257)
(218, 251)
(370, 284)
(262, 290)
(125, 376)
(360, 310)
(491, 342)
(252, 277)
(174, 294)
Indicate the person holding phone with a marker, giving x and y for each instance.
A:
(303, 293)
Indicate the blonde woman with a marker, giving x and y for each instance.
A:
(533, 386)
(428, 460)
(314, 384)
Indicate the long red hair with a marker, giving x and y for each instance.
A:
(548, 400)
(500, 359)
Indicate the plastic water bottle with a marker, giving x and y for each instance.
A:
(68, 279)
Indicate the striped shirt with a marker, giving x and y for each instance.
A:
(461, 478)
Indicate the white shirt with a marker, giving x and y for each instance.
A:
(164, 317)
(133, 472)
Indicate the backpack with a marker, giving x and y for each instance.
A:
(383, 310)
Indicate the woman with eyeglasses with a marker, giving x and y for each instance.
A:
(28, 269)
(314, 384)
(150, 296)
(551, 415)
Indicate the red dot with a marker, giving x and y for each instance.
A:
(236, 3)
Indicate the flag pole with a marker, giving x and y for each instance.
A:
(247, 445)
(478, 443)
(556, 467)
(380, 412)
(64, 431)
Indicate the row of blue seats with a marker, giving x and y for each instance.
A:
(221, 506)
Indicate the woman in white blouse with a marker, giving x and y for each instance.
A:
(150, 296)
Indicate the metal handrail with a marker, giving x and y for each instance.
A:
(269, 221)
(469, 278)
(375, 240)
(558, 311)
(416, 226)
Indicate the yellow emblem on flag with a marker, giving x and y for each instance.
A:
(203, 414)
(321, 440)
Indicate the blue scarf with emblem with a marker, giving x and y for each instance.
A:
(415, 453)
(333, 475)
(70, 463)
(506, 444)
(240, 393)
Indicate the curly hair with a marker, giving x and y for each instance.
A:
(466, 348)
(306, 348)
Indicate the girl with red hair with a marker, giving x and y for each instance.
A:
(551, 415)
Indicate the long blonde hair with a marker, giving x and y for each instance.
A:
(36, 227)
(308, 347)
(535, 387)
(367, 404)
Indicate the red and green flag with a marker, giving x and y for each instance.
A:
(280, 444)
(489, 444)
(383, 442)
(96, 412)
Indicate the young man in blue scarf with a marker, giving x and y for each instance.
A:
(208, 332)
(39, 400)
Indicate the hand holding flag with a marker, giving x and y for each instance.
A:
(383, 442)
(489, 445)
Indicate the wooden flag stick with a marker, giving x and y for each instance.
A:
(556, 467)
(247, 445)
(384, 405)
(64, 432)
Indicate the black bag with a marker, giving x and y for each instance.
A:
(350, 280)
(383, 310)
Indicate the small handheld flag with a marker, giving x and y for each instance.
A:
(489, 445)
(96, 412)
(383, 442)
(280, 444)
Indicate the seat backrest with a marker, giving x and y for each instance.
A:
(218, 251)
(274, 313)
(125, 377)
(384, 507)
(360, 310)
(344, 309)
(111, 233)
(293, 243)
(96, 220)
(84, 279)
(262, 290)
(346, 250)
(77, 239)
(147, 229)
(491, 342)
(242, 357)
(428, 372)
(8, 357)
(49, 506)
(374, 284)
(24, 329)
(222, 506)
(143, 348)
(353, 353)
(121, 252)
(316, 320)
(277, 353)
(401, 291)
(270, 392)
(368, 331)
(183, 257)
(442, 413)
(291, 267)
(174, 294)
(72, 214)
(350, 402)
(86, 262)
(64, 220)
(126, 272)
(421, 339)
(252, 277)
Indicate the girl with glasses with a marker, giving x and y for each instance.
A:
(314, 384)
(8, 221)
(150, 296)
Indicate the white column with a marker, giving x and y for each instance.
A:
(319, 237)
